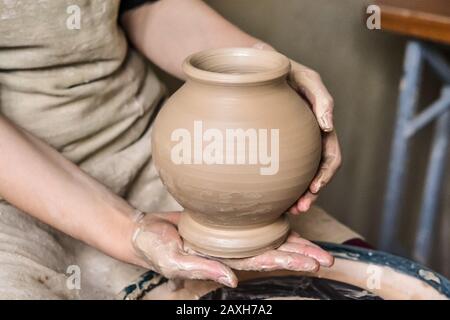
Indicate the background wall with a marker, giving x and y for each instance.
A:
(362, 70)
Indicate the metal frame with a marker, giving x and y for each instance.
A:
(407, 125)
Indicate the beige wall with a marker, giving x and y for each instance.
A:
(362, 70)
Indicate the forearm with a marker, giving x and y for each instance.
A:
(38, 180)
(167, 31)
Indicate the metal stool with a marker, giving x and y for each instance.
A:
(407, 125)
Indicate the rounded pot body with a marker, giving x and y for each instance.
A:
(236, 146)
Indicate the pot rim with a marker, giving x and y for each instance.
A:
(273, 65)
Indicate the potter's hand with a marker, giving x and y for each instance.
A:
(157, 243)
(308, 83)
(296, 254)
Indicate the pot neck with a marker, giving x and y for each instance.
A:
(236, 67)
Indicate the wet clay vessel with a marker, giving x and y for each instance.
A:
(236, 146)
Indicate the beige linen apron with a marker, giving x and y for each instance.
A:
(88, 95)
(91, 97)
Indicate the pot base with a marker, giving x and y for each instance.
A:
(232, 243)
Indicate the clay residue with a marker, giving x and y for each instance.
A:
(429, 276)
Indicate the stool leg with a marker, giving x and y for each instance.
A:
(409, 91)
(433, 186)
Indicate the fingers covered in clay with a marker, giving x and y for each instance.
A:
(157, 242)
(309, 83)
(274, 260)
(305, 202)
(302, 246)
(296, 254)
(193, 267)
(331, 161)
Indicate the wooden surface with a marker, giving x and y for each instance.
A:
(426, 19)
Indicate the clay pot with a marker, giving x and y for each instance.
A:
(236, 146)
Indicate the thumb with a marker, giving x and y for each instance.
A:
(194, 267)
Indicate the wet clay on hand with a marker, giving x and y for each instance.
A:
(236, 146)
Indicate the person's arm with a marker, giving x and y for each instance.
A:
(38, 180)
(167, 31)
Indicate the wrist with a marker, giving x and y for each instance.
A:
(114, 234)
(126, 248)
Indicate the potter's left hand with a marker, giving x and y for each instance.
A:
(296, 254)
(309, 84)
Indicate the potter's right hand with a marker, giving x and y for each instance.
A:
(160, 248)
